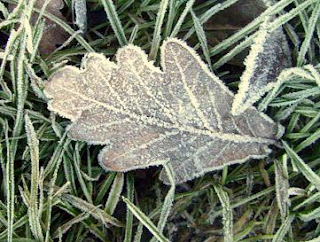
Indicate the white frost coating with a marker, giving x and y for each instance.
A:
(80, 9)
(147, 116)
(238, 105)
(269, 54)
(314, 73)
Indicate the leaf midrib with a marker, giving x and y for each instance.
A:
(152, 121)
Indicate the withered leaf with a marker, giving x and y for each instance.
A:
(224, 23)
(245, 10)
(147, 116)
(269, 55)
(53, 34)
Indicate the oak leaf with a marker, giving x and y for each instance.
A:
(147, 116)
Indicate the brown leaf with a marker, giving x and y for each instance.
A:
(236, 16)
(146, 116)
(226, 22)
(53, 34)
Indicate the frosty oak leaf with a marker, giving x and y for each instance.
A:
(147, 116)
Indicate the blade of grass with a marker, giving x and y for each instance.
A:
(167, 204)
(283, 230)
(170, 19)
(134, 33)
(10, 43)
(69, 174)
(282, 186)
(105, 186)
(145, 220)
(4, 10)
(310, 175)
(21, 97)
(309, 33)
(66, 227)
(183, 15)
(129, 215)
(202, 38)
(76, 163)
(138, 235)
(157, 31)
(114, 194)
(50, 198)
(116, 25)
(33, 143)
(308, 141)
(315, 197)
(248, 41)
(310, 215)
(246, 200)
(226, 213)
(250, 27)
(209, 14)
(93, 210)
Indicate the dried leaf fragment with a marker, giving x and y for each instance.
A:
(244, 10)
(53, 34)
(147, 116)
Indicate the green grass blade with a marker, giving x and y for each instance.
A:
(310, 215)
(33, 143)
(157, 31)
(283, 230)
(276, 8)
(248, 41)
(4, 10)
(93, 210)
(116, 25)
(309, 141)
(282, 186)
(145, 220)
(115, 192)
(309, 33)
(315, 197)
(226, 214)
(202, 38)
(310, 175)
(105, 186)
(138, 235)
(209, 14)
(83, 185)
(171, 15)
(50, 198)
(167, 204)
(129, 215)
(181, 18)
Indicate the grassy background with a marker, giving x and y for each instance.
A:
(52, 189)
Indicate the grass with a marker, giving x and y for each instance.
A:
(52, 188)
